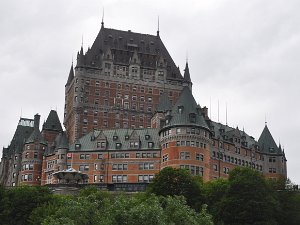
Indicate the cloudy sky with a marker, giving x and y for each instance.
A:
(244, 54)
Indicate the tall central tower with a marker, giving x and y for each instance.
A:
(117, 82)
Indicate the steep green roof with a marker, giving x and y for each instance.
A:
(52, 122)
(120, 136)
(35, 136)
(186, 111)
(23, 131)
(63, 141)
(164, 103)
(267, 144)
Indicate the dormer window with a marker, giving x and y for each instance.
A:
(180, 109)
(147, 136)
(118, 145)
(101, 144)
(126, 137)
(150, 144)
(271, 149)
(77, 146)
(115, 137)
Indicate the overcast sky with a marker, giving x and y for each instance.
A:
(243, 53)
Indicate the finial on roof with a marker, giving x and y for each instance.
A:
(158, 26)
(187, 57)
(81, 49)
(187, 76)
(102, 22)
(265, 119)
(226, 114)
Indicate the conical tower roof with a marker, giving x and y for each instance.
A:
(52, 122)
(266, 142)
(164, 103)
(186, 111)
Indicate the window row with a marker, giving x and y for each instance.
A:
(240, 162)
(27, 167)
(188, 130)
(145, 178)
(126, 87)
(146, 166)
(120, 166)
(195, 170)
(26, 177)
(84, 167)
(191, 143)
(186, 155)
(119, 178)
(35, 155)
(147, 155)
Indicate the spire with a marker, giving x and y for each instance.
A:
(71, 75)
(102, 22)
(187, 73)
(81, 49)
(158, 26)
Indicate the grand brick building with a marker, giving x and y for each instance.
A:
(129, 113)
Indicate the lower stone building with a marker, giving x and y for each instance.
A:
(182, 136)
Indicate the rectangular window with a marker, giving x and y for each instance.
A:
(184, 155)
(146, 166)
(119, 178)
(199, 157)
(145, 178)
(215, 167)
(165, 157)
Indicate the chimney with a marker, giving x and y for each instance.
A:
(205, 112)
(37, 121)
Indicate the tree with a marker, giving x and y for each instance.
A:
(289, 201)
(178, 182)
(98, 208)
(19, 202)
(215, 192)
(249, 199)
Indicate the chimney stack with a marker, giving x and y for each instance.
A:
(37, 121)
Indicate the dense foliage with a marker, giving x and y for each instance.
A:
(172, 182)
(175, 197)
